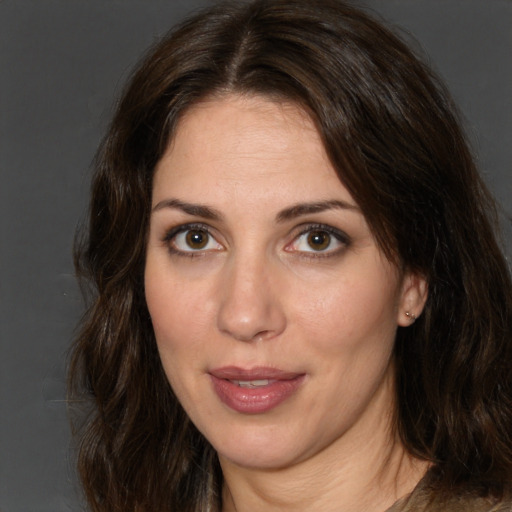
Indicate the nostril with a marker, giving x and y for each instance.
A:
(257, 323)
(259, 336)
(249, 309)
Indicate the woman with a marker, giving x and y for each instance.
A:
(299, 302)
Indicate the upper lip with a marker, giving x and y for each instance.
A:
(255, 373)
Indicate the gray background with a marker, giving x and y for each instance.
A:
(61, 64)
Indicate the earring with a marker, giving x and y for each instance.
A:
(411, 316)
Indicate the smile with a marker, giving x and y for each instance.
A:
(252, 383)
(254, 391)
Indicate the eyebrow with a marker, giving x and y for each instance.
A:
(296, 210)
(196, 210)
(316, 207)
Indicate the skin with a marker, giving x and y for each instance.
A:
(261, 293)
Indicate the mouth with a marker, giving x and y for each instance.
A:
(256, 390)
(252, 384)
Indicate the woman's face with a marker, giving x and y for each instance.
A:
(273, 308)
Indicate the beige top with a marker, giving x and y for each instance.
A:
(421, 500)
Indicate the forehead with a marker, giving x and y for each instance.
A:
(237, 124)
(238, 141)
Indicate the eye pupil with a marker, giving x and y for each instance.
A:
(196, 239)
(319, 240)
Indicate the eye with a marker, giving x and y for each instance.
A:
(318, 240)
(191, 239)
(323, 240)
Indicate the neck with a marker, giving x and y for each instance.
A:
(329, 489)
(364, 471)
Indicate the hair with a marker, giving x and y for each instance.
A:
(393, 136)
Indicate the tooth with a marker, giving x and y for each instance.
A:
(251, 383)
(262, 382)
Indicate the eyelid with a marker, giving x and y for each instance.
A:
(172, 233)
(340, 236)
(336, 233)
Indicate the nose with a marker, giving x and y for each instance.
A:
(250, 306)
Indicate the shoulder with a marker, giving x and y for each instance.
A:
(455, 505)
(423, 499)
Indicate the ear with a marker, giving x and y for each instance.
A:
(412, 300)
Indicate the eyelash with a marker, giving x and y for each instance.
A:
(337, 234)
(174, 232)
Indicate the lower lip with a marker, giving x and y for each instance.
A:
(255, 400)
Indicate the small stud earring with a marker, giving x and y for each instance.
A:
(411, 316)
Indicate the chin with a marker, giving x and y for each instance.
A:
(256, 448)
(267, 459)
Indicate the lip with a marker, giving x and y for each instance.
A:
(254, 400)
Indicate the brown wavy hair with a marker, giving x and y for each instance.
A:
(394, 137)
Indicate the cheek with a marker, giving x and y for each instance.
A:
(177, 316)
(350, 312)
(349, 301)
(175, 302)
(177, 324)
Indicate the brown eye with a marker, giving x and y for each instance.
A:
(189, 240)
(197, 239)
(319, 240)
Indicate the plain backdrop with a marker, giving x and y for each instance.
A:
(62, 63)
